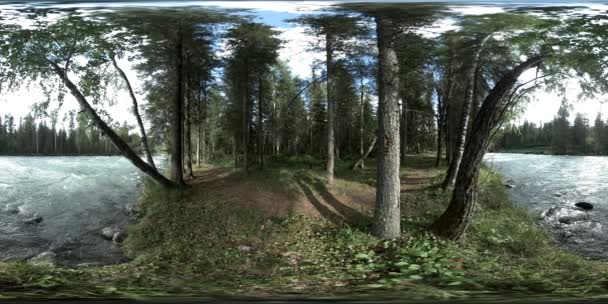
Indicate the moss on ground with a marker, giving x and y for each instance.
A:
(190, 243)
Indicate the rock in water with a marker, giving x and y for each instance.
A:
(12, 209)
(550, 212)
(36, 219)
(508, 186)
(584, 205)
(109, 232)
(573, 217)
(119, 237)
(46, 258)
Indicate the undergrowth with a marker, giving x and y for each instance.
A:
(194, 244)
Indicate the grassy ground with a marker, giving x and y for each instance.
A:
(282, 231)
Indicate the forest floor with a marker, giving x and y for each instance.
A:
(282, 232)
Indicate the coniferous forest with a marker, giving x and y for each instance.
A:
(338, 150)
(29, 137)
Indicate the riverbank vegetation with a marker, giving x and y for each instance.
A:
(300, 207)
(32, 136)
(556, 137)
(208, 243)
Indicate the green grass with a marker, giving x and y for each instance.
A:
(192, 243)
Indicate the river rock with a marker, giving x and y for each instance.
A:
(549, 212)
(46, 258)
(108, 233)
(584, 205)
(509, 186)
(573, 217)
(119, 237)
(12, 209)
(36, 219)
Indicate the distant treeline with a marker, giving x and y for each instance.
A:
(557, 136)
(31, 136)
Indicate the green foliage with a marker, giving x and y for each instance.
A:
(556, 137)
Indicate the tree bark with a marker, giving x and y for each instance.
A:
(140, 123)
(331, 141)
(440, 118)
(245, 114)
(387, 213)
(453, 222)
(199, 111)
(188, 130)
(203, 139)
(361, 122)
(177, 164)
(260, 123)
(403, 129)
(118, 142)
(466, 113)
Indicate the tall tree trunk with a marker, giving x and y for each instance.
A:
(362, 121)
(37, 130)
(260, 122)
(188, 129)
(140, 123)
(446, 96)
(245, 118)
(475, 101)
(454, 221)
(440, 117)
(387, 211)
(199, 110)
(331, 141)
(449, 122)
(120, 144)
(403, 129)
(177, 164)
(466, 113)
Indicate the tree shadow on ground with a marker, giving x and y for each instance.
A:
(341, 212)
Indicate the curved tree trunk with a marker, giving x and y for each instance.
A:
(331, 141)
(140, 123)
(454, 221)
(387, 213)
(120, 144)
(360, 162)
(466, 113)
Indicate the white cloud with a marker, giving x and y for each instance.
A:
(297, 52)
(292, 7)
(477, 10)
(544, 104)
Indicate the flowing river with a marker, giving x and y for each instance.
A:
(61, 204)
(549, 186)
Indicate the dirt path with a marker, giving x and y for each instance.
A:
(302, 193)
